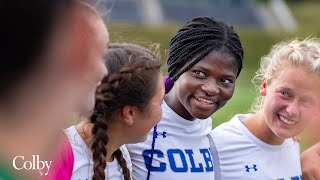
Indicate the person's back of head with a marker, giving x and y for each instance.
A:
(133, 75)
(132, 67)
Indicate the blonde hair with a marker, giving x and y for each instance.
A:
(292, 53)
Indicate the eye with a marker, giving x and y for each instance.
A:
(284, 94)
(199, 74)
(307, 103)
(227, 81)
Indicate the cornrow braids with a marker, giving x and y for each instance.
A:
(119, 156)
(130, 81)
(197, 39)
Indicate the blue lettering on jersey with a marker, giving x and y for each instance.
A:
(296, 178)
(254, 167)
(172, 160)
(207, 158)
(147, 160)
(193, 166)
(178, 161)
(293, 178)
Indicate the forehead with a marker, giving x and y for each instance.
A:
(99, 28)
(299, 81)
(94, 28)
(218, 61)
(298, 75)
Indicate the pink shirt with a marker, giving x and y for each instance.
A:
(62, 164)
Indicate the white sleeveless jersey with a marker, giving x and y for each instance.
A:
(238, 154)
(83, 163)
(181, 150)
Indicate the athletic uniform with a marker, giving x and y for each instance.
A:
(238, 154)
(181, 150)
(83, 163)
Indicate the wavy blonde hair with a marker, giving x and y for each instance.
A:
(291, 53)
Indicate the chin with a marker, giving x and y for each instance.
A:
(143, 139)
(138, 140)
(201, 116)
(284, 135)
(204, 114)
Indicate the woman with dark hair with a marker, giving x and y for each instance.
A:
(205, 59)
(128, 105)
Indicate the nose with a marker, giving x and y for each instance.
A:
(293, 109)
(211, 88)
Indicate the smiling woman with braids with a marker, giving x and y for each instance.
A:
(205, 59)
(128, 105)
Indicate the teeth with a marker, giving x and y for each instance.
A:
(205, 101)
(286, 121)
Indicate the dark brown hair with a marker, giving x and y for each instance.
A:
(132, 80)
(26, 26)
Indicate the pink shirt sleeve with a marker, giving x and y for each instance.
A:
(62, 164)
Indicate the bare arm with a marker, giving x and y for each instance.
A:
(310, 163)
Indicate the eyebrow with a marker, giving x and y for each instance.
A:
(227, 75)
(283, 87)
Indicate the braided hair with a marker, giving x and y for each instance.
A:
(131, 81)
(196, 40)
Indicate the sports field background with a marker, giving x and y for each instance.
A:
(256, 43)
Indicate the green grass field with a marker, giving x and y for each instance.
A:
(256, 43)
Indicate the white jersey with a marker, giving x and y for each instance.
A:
(181, 150)
(238, 154)
(83, 163)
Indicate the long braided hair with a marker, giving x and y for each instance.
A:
(195, 40)
(132, 80)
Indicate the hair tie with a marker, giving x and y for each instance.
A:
(168, 84)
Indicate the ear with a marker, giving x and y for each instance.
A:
(263, 87)
(128, 112)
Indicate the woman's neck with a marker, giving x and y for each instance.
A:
(176, 106)
(257, 125)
